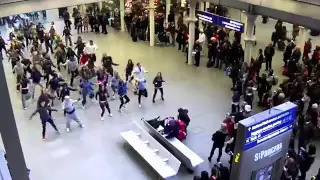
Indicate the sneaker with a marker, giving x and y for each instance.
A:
(81, 125)
(68, 129)
(139, 105)
(120, 110)
(110, 115)
(83, 107)
(24, 108)
(44, 139)
(101, 119)
(153, 101)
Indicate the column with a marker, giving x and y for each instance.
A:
(122, 15)
(100, 5)
(207, 5)
(192, 25)
(249, 37)
(9, 133)
(151, 22)
(168, 7)
(201, 9)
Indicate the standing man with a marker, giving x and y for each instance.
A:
(218, 139)
(269, 53)
(66, 18)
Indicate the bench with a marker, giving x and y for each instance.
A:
(187, 157)
(160, 159)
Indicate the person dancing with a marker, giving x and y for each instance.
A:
(157, 82)
(142, 90)
(70, 112)
(44, 112)
(103, 95)
(122, 92)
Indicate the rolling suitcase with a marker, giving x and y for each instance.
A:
(281, 45)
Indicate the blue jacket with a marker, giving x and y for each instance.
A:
(122, 89)
(115, 82)
(86, 87)
(142, 85)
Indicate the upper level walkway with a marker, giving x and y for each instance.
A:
(294, 12)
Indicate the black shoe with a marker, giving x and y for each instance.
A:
(209, 159)
(153, 101)
(162, 99)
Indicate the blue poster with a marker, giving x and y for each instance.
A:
(269, 124)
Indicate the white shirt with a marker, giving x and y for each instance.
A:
(90, 49)
(202, 38)
(68, 105)
(139, 72)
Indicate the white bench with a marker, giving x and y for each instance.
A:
(187, 157)
(161, 160)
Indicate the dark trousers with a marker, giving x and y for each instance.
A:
(73, 75)
(67, 23)
(79, 29)
(214, 147)
(129, 77)
(268, 63)
(48, 46)
(44, 126)
(235, 108)
(122, 102)
(142, 92)
(104, 28)
(156, 91)
(84, 99)
(303, 175)
(18, 82)
(85, 28)
(104, 105)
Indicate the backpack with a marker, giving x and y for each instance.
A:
(182, 135)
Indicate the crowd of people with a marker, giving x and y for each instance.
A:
(41, 69)
(48, 55)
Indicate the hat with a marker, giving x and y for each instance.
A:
(247, 108)
(315, 106)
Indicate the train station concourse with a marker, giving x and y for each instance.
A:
(125, 144)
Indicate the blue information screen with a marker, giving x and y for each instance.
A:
(270, 128)
(221, 21)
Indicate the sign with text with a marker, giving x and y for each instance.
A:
(270, 128)
(221, 21)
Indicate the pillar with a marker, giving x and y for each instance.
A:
(249, 37)
(100, 5)
(122, 15)
(9, 133)
(207, 5)
(168, 7)
(151, 22)
(192, 25)
(201, 9)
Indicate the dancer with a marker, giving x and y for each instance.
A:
(142, 90)
(70, 112)
(65, 91)
(91, 50)
(138, 72)
(129, 69)
(102, 77)
(114, 84)
(122, 92)
(107, 63)
(45, 117)
(86, 90)
(157, 82)
(55, 84)
(103, 95)
(36, 80)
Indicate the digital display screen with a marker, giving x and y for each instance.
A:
(221, 21)
(269, 128)
(263, 174)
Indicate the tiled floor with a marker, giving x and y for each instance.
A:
(97, 152)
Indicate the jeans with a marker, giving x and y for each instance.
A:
(103, 105)
(85, 28)
(73, 75)
(142, 92)
(68, 38)
(214, 147)
(156, 91)
(24, 99)
(79, 29)
(122, 102)
(44, 126)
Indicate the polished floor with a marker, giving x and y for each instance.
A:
(97, 152)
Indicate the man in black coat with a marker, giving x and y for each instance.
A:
(183, 116)
(269, 53)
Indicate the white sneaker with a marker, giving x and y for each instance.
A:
(120, 110)
(68, 129)
(110, 115)
(81, 125)
(24, 108)
(139, 105)
(83, 107)
(101, 119)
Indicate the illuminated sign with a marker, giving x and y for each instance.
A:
(269, 152)
(221, 21)
(269, 128)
